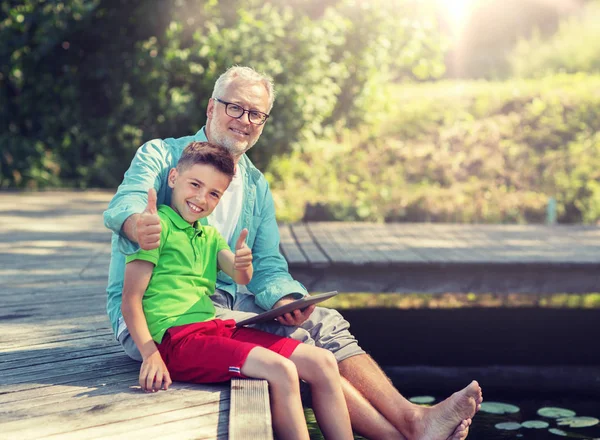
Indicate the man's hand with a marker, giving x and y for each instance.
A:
(296, 317)
(147, 225)
(154, 375)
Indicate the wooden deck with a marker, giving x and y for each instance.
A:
(438, 258)
(62, 375)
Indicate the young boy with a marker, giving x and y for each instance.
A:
(170, 316)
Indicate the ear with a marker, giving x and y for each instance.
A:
(210, 108)
(172, 177)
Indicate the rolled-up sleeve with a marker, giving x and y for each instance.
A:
(148, 169)
(271, 280)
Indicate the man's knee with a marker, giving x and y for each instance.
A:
(331, 331)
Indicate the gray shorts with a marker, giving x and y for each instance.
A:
(325, 328)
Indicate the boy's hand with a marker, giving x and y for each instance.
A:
(154, 374)
(148, 224)
(243, 254)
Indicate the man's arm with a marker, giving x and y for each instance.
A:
(239, 265)
(150, 164)
(153, 372)
(144, 229)
(272, 283)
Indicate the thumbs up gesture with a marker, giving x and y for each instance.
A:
(243, 254)
(148, 224)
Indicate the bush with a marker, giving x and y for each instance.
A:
(87, 81)
(482, 152)
(575, 47)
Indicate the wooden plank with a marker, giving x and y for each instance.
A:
(339, 240)
(108, 371)
(250, 414)
(320, 239)
(289, 247)
(305, 241)
(120, 407)
(68, 354)
(69, 337)
(59, 368)
(24, 399)
(390, 244)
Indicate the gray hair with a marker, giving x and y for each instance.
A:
(246, 74)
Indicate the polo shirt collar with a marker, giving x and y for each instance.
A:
(177, 220)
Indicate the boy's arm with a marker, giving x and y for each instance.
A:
(239, 265)
(153, 372)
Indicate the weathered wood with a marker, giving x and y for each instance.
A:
(440, 258)
(62, 373)
(289, 247)
(118, 411)
(313, 252)
(250, 416)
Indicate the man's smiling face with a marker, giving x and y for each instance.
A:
(237, 135)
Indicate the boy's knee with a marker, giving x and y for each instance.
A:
(285, 371)
(324, 365)
(327, 360)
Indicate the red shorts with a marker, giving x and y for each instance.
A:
(215, 351)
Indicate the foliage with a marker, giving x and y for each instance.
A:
(85, 82)
(458, 152)
(575, 47)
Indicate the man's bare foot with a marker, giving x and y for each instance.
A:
(444, 420)
(461, 431)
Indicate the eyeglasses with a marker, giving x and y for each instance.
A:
(235, 111)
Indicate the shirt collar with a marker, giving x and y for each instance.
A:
(177, 220)
(201, 135)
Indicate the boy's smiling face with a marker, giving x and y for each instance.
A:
(196, 190)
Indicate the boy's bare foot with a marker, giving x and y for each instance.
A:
(445, 420)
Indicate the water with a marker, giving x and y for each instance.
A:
(529, 351)
(483, 427)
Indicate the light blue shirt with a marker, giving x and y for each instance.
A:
(149, 169)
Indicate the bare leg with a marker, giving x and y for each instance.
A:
(366, 420)
(286, 406)
(319, 368)
(439, 422)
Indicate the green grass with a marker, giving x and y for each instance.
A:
(461, 300)
(468, 152)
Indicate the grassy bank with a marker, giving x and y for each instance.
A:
(492, 152)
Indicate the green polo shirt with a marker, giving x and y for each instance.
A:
(184, 275)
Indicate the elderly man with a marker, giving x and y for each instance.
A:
(236, 114)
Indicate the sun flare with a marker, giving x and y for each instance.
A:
(456, 13)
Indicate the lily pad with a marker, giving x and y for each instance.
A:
(508, 426)
(535, 424)
(554, 412)
(556, 431)
(577, 422)
(499, 408)
(422, 399)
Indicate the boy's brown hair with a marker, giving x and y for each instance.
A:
(208, 154)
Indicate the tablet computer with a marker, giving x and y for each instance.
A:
(301, 303)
